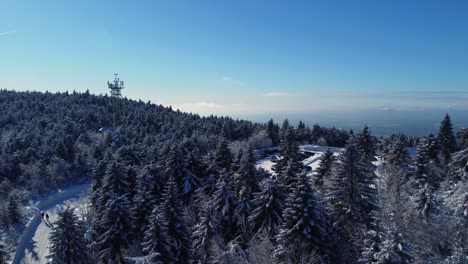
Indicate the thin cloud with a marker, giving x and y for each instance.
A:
(7, 32)
(199, 105)
(281, 94)
(231, 81)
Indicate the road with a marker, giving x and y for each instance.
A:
(33, 246)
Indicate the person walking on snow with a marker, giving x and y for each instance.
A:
(47, 216)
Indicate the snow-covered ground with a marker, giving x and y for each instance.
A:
(33, 246)
(313, 161)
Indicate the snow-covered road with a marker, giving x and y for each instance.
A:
(33, 246)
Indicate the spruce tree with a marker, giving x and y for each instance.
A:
(272, 130)
(117, 225)
(366, 147)
(144, 202)
(115, 183)
(353, 195)
(223, 157)
(206, 238)
(395, 250)
(288, 148)
(14, 211)
(157, 244)
(177, 229)
(325, 168)
(246, 176)
(306, 225)
(4, 256)
(269, 205)
(301, 132)
(98, 176)
(398, 155)
(67, 240)
(446, 139)
(426, 205)
(224, 203)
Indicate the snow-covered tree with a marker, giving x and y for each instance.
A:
(426, 203)
(114, 184)
(446, 139)
(67, 244)
(288, 147)
(98, 177)
(223, 157)
(14, 211)
(4, 255)
(206, 238)
(117, 225)
(144, 201)
(246, 176)
(397, 153)
(177, 229)
(301, 132)
(353, 195)
(157, 244)
(272, 130)
(306, 225)
(325, 168)
(224, 203)
(269, 205)
(366, 146)
(395, 250)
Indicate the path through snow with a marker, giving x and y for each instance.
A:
(33, 246)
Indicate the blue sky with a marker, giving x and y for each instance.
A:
(244, 57)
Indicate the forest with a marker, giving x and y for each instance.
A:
(174, 187)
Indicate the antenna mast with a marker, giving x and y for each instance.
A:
(116, 86)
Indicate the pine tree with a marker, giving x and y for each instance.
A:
(223, 202)
(426, 204)
(301, 132)
(206, 238)
(246, 177)
(98, 176)
(144, 201)
(288, 148)
(446, 139)
(241, 214)
(223, 157)
(306, 226)
(432, 147)
(4, 256)
(325, 168)
(14, 212)
(395, 250)
(272, 130)
(269, 205)
(397, 154)
(366, 147)
(115, 183)
(426, 171)
(157, 243)
(67, 243)
(353, 197)
(288, 175)
(171, 211)
(117, 225)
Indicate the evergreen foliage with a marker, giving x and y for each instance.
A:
(66, 239)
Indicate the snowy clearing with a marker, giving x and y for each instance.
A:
(33, 245)
(313, 161)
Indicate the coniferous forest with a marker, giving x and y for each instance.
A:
(173, 187)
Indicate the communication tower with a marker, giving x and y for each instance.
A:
(116, 86)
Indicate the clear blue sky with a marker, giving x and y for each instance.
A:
(251, 57)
